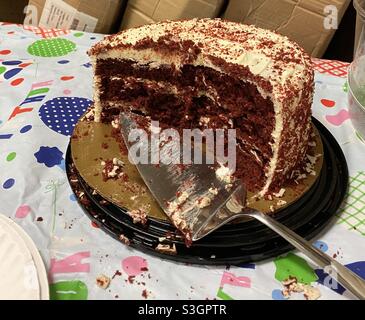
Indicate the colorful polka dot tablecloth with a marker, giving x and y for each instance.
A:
(45, 85)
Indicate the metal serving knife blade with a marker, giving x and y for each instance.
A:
(191, 195)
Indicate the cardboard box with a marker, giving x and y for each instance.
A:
(301, 20)
(13, 13)
(140, 12)
(101, 16)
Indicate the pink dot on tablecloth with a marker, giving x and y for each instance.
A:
(22, 211)
(17, 82)
(4, 52)
(338, 118)
(67, 91)
(134, 265)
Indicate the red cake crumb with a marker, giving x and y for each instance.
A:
(145, 294)
(116, 273)
(131, 279)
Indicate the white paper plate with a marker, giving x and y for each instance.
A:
(22, 272)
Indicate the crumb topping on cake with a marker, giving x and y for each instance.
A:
(267, 54)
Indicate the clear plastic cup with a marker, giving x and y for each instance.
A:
(356, 95)
(356, 74)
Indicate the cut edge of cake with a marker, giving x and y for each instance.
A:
(280, 70)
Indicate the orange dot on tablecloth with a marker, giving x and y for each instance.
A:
(328, 103)
(26, 64)
(17, 82)
(66, 78)
(4, 52)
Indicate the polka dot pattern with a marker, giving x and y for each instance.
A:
(62, 113)
(51, 47)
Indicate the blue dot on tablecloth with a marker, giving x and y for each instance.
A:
(63, 61)
(321, 245)
(92, 38)
(25, 128)
(277, 295)
(73, 197)
(8, 183)
(49, 156)
(62, 113)
(1, 121)
(11, 63)
(11, 73)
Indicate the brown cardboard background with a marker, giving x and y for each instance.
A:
(300, 20)
(139, 12)
(107, 12)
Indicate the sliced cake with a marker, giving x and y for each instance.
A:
(209, 73)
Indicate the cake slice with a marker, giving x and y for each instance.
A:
(209, 73)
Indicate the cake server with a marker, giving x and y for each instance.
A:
(183, 191)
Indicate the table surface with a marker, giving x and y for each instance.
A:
(45, 85)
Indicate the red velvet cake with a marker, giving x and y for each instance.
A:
(209, 73)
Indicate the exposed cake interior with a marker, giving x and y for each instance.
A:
(209, 73)
(193, 97)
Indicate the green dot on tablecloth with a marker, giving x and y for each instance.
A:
(78, 34)
(11, 156)
(51, 47)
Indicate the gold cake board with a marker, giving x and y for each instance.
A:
(92, 142)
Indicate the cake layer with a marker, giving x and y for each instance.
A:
(196, 97)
